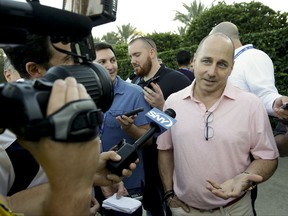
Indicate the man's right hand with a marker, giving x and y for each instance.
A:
(103, 177)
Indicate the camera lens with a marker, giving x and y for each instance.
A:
(94, 77)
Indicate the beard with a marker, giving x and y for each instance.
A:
(144, 70)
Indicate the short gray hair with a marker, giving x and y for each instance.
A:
(8, 65)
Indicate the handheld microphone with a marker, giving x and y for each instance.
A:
(159, 123)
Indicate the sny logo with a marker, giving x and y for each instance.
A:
(161, 118)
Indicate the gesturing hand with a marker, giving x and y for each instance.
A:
(233, 187)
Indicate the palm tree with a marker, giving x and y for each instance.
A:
(194, 9)
(96, 39)
(111, 38)
(181, 30)
(126, 32)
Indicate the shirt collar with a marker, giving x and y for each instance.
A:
(229, 91)
(119, 85)
(242, 47)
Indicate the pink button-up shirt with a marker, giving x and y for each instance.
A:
(240, 125)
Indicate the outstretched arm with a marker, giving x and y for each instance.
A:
(259, 171)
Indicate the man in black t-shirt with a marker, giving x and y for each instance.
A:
(184, 59)
(143, 54)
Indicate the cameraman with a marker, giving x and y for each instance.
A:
(19, 170)
(70, 180)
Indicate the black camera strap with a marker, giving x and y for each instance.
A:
(75, 122)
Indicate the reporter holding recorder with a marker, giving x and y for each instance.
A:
(117, 126)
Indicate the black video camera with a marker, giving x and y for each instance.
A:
(23, 104)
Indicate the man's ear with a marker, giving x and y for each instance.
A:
(152, 53)
(35, 70)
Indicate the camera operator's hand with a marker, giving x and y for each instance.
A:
(70, 158)
(70, 167)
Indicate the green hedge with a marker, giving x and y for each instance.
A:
(274, 43)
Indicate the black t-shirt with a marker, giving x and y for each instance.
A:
(170, 81)
(187, 73)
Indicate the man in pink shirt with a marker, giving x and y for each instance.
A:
(204, 158)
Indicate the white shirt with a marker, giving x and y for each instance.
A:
(253, 71)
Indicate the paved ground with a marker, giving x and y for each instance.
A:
(273, 194)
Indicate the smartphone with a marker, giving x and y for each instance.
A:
(285, 106)
(154, 80)
(133, 112)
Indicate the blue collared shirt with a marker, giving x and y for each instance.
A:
(127, 96)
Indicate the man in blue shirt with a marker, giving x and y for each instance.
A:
(116, 126)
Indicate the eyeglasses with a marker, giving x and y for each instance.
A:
(208, 131)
